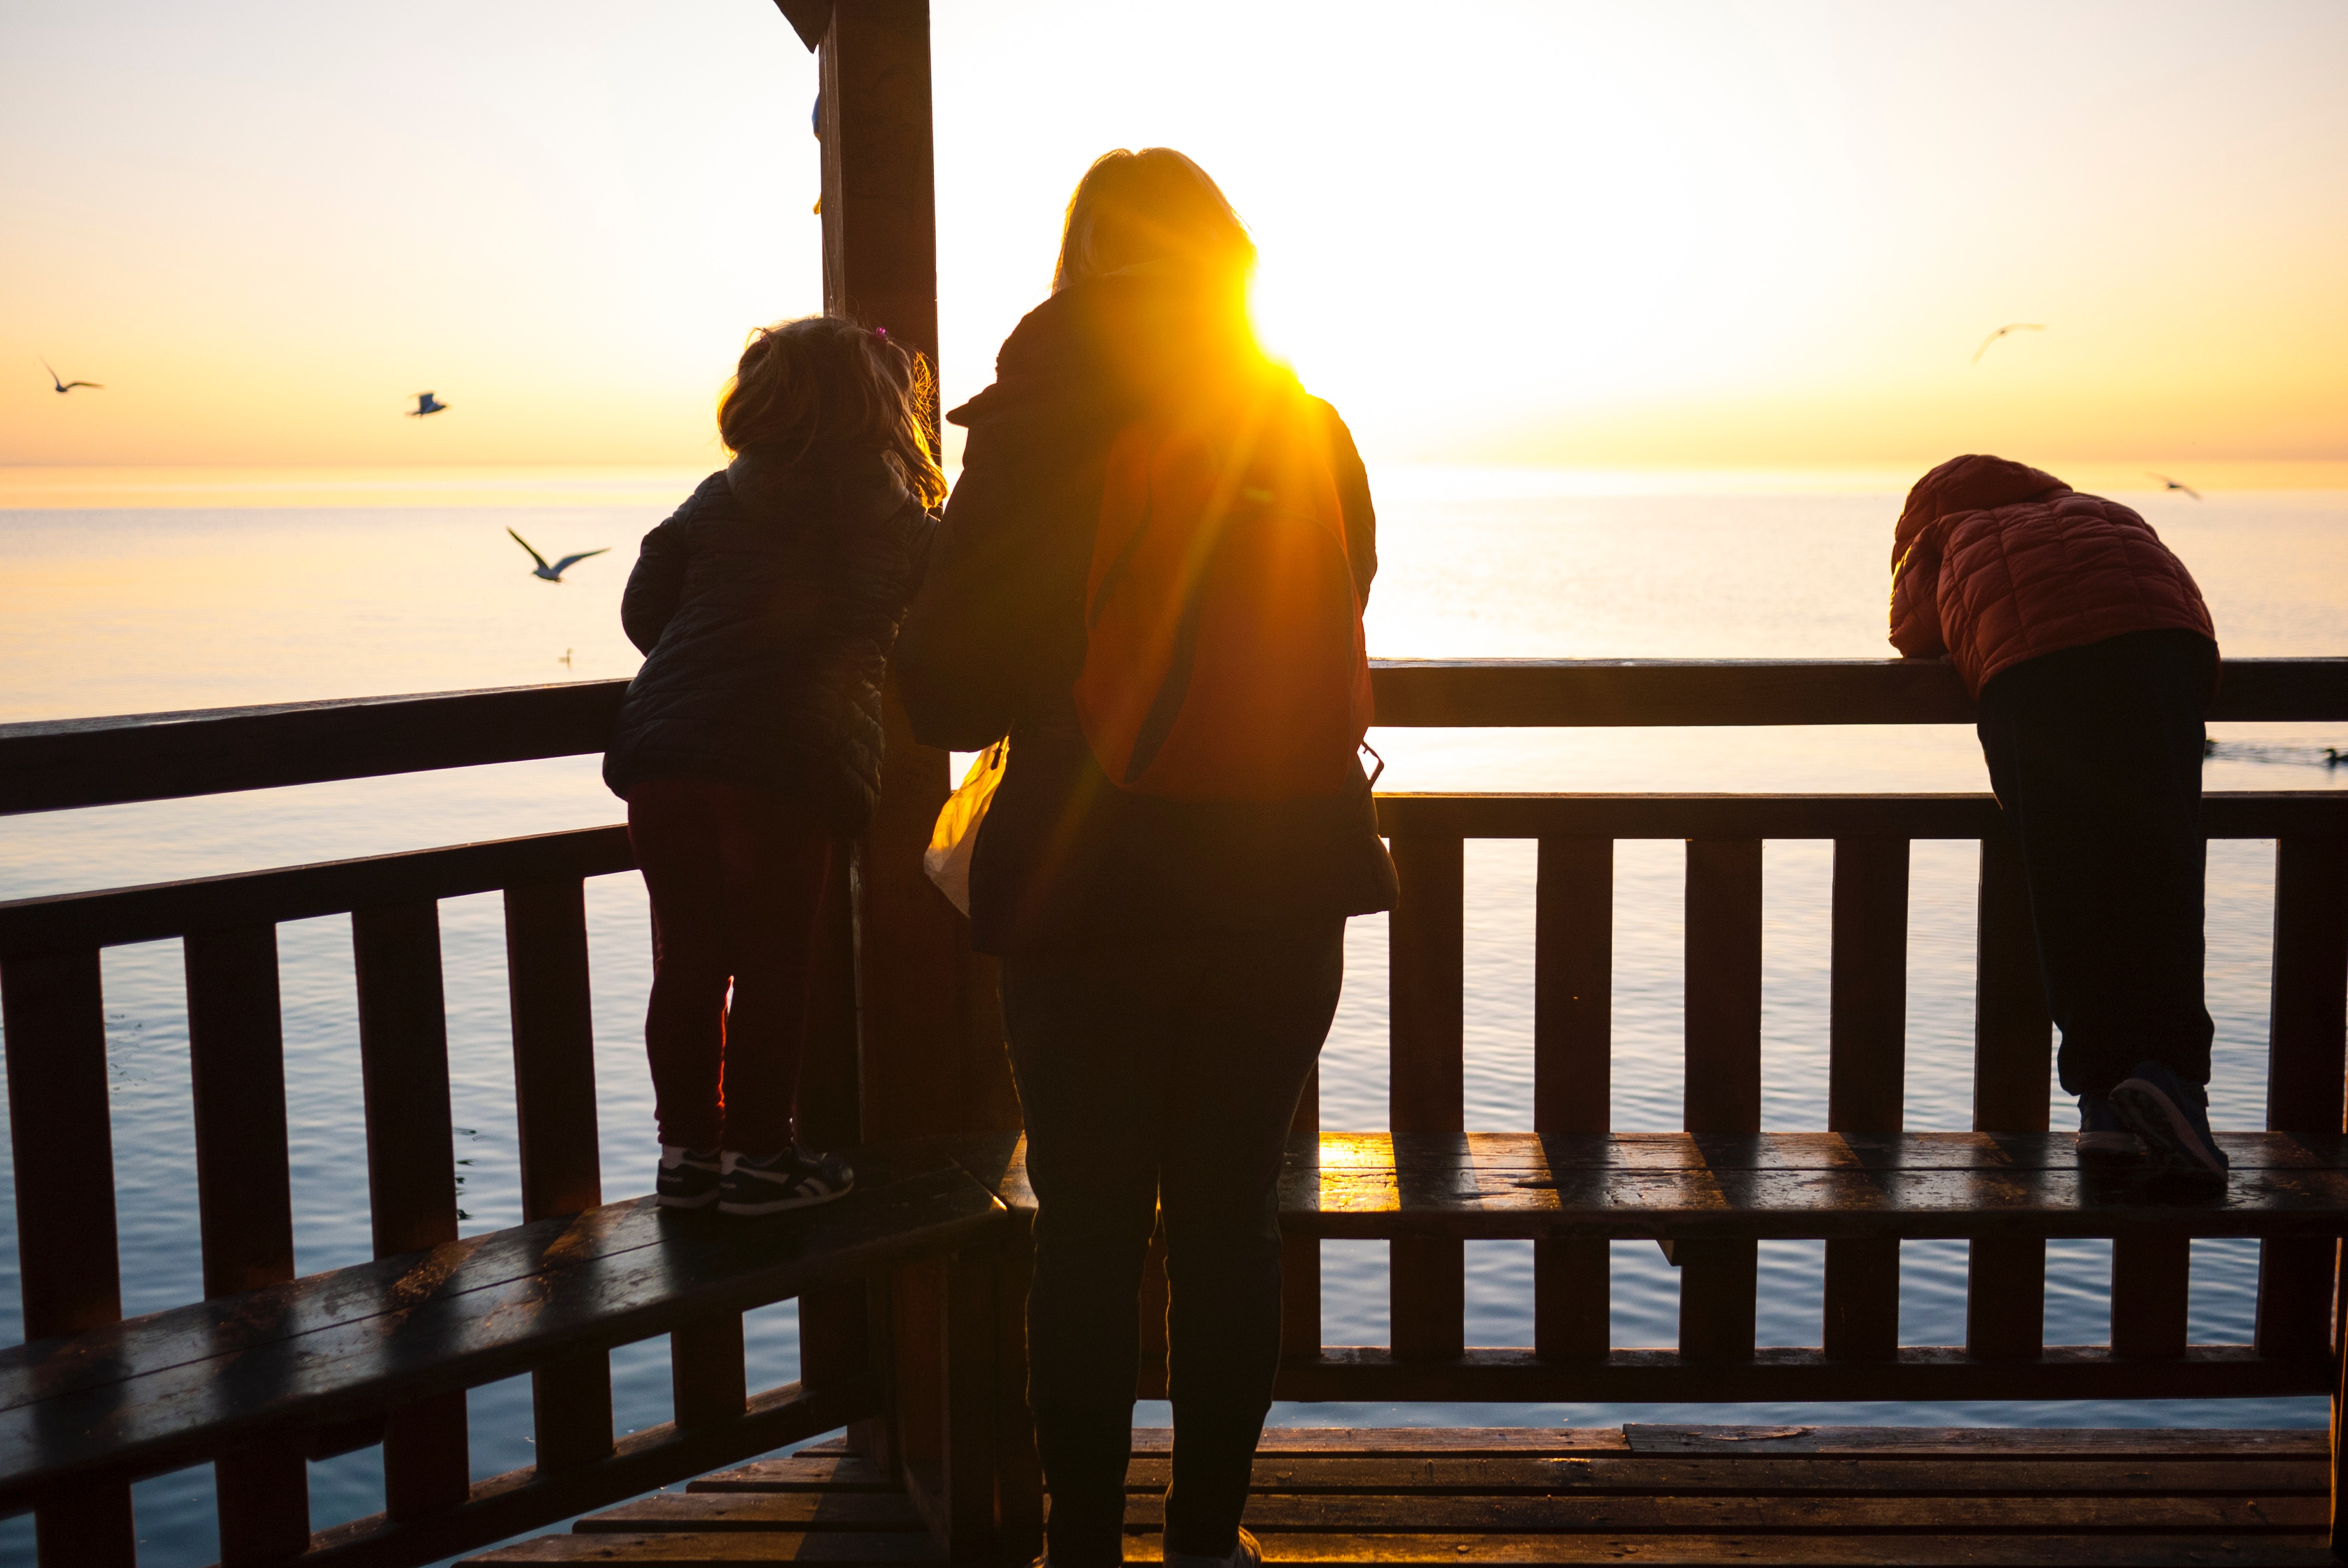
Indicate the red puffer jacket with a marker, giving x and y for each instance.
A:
(1993, 563)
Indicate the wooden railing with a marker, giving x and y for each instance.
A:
(56, 1076)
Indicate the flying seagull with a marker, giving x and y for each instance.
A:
(65, 386)
(2008, 327)
(2169, 484)
(553, 573)
(426, 403)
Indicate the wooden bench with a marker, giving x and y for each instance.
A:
(1692, 1191)
(275, 1365)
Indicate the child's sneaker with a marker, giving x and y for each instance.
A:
(795, 1179)
(2172, 1117)
(688, 1177)
(2100, 1133)
(1246, 1553)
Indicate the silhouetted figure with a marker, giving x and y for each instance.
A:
(2093, 658)
(1171, 951)
(749, 743)
(553, 573)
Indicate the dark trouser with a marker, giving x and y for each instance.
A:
(736, 879)
(1160, 1077)
(2096, 755)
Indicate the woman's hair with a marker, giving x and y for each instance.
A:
(1147, 206)
(822, 381)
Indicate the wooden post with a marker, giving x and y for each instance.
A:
(1427, 940)
(62, 1148)
(1867, 1058)
(2006, 1287)
(562, 1166)
(1723, 1088)
(1573, 1002)
(1300, 1256)
(244, 1204)
(411, 1167)
(2307, 1016)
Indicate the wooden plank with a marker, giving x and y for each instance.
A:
(708, 1381)
(1722, 1087)
(1792, 1475)
(244, 1203)
(111, 917)
(1867, 1074)
(2006, 1287)
(2142, 1514)
(554, 1106)
(54, 764)
(802, 1472)
(1426, 1092)
(1300, 1256)
(1737, 691)
(2307, 1017)
(1373, 1375)
(62, 1145)
(682, 1550)
(2037, 1444)
(522, 1500)
(1573, 984)
(411, 1168)
(760, 1509)
(2151, 1276)
(1407, 1441)
(138, 1398)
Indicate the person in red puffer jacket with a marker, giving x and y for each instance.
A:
(2093, 657)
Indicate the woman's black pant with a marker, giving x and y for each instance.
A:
(2096, 755)
(1158, 1079)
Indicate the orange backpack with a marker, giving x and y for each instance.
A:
(1223, 650)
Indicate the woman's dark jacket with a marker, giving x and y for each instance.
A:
(996, 637)
(765, 609)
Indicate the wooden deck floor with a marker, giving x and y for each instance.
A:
(1651, 1494)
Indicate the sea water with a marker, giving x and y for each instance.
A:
(369, 587)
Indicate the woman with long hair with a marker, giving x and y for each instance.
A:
(1150, 577)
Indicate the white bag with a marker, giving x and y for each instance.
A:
(956, 838)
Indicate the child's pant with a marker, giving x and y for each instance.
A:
(2096, 755)
(737, 882)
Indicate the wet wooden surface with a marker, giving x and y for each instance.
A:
(143, 1395)
(1660, 1494)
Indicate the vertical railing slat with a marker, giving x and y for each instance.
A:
(1574, 1002)
(554, 1114)
(2307, 1013)
(244, 1200)
(1426, 1083)
(1723, 1085)
(2151, 1281)
(1300, 1256)
(62, 1145)
(411, 1167)
(1867, 1066)
(2006, 1287)
(707, 1379)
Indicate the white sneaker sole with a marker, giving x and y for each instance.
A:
(2110, 1144)
(679, 1201)
(2168, 1136)
(779, 1205)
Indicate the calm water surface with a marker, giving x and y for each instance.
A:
(107, 611)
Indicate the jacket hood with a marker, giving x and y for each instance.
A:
(1131, 335)
(1974, 483)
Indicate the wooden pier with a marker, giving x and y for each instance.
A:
(1639, 1494)
(910, 1291)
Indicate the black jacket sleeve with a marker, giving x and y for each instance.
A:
(656, 586)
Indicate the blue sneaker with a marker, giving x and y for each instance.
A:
(2172, 1117)
(2100, 1133)
(688, 1177)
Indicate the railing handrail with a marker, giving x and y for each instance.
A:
(63, 763)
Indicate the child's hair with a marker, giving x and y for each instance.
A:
(822, 381)
(1148, 206)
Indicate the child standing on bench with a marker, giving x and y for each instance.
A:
(2094, 659)
(748, 745)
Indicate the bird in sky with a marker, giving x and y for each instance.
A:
(65, 386)
(425, 403)
(553, 573)
(2169, 483)
(2008, 327)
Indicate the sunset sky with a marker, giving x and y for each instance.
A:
(1602, 234)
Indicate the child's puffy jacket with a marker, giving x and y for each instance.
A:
(1993, 562)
